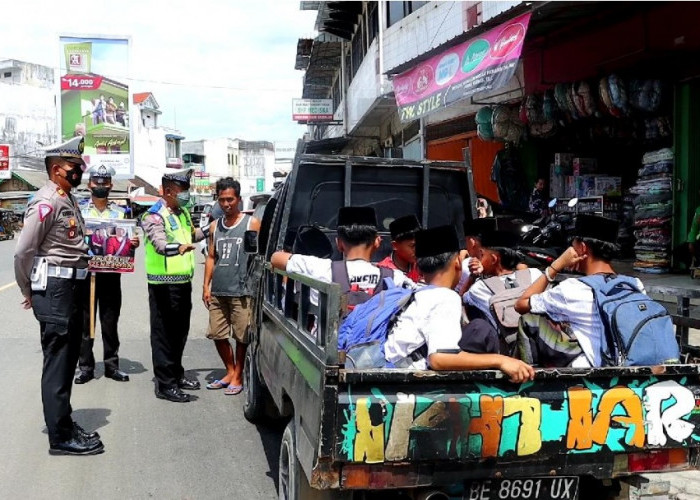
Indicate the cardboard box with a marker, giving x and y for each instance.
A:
(585, 166)
(608, 186)
(585, 186)
(557, 183)
(569, 187)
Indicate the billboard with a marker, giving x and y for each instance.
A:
(312, 109)
(484, 63)
(95, 100)
(5, 170)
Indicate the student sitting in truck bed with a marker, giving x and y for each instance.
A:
(357, 240)
(497, 261)
(428, 332)
(570, 306)
(403, 244)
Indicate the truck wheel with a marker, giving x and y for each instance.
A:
(292, 482)
(255, 393)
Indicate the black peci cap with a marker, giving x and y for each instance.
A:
(437, 241)
(404, 227)
(499, 239)
(599, 228)
(362, 216)
(477, 227)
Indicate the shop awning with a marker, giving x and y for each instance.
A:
(485, 62)
(332, 145)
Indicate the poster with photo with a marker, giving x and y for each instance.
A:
(109, 243)
(95, 100)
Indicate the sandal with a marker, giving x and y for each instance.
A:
(217, 384)
(233, 390)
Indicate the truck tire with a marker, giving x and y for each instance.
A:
(292, 482)
(256, 396)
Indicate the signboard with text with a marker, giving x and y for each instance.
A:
(95, 101)
(5, 171)
(312, 109)
(481, 64)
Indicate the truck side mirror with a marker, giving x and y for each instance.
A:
(250, 242)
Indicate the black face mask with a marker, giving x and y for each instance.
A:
(100, 192)
(74, 176)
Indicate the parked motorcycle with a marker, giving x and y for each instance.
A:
(546, 238)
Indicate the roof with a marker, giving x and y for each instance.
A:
(140, 97)
(35, 178)
(321, 60)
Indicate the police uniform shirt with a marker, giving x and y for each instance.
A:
(154, 228)
(113, 211)
(572, 302)
(433, 319)
(53, 228)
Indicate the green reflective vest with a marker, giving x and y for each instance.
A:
(178, 268)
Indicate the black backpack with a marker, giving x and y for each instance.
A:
(355, 296)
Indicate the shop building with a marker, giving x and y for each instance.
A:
(596, 86)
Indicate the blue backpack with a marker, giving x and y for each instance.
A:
(638, 330)
(365, 330)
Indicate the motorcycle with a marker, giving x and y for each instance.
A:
(546, 238)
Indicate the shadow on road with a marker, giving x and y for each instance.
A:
(271, 437)
(129, 366)
(90, 418)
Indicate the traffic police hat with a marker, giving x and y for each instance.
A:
(181, 177)
(101, 174)
(71, 150)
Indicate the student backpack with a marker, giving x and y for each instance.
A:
(502, 303)
(638, 330)
(355, 296)
(364, 332)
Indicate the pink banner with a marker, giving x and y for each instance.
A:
(483, 63)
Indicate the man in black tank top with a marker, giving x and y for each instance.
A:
(225, 293)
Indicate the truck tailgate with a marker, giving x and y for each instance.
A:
(562, 418)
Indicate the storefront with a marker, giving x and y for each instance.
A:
(607, 113)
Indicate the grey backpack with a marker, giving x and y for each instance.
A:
(502, 303)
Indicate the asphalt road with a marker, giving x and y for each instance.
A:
(154, 449)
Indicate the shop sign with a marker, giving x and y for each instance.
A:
(5, 172)
(312, 109)
(482, 64)
(260, 185)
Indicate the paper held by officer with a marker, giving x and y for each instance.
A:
(110, 243)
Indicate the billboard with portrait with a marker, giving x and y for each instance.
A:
(110, 247)
(95, 100)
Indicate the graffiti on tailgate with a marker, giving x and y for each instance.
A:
(488, 422)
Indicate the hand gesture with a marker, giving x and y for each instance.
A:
(568, 260)
(475, 266)
(27, 303)
(135, 241)
(517, 370)
(185, 248)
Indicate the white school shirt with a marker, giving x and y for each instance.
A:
(433, 318)
(363, 273)
(572, 301)
(479, 294)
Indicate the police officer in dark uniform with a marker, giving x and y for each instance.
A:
(51, 262)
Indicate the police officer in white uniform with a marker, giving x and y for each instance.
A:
(51, 262)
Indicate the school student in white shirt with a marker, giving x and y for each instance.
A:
(357, 240)
(428, 332)
(496, 258)
(572, 302)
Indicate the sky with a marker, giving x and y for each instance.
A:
(217, 68)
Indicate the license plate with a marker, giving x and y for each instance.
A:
(541, 488)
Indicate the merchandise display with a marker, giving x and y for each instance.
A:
(653, 209)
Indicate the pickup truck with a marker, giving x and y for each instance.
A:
(570, 433)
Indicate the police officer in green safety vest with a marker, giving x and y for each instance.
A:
(170, 263)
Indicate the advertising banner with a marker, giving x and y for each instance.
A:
(5, 170)
(312, 109)
(95, 100)
(109, 242)
(484, 63)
